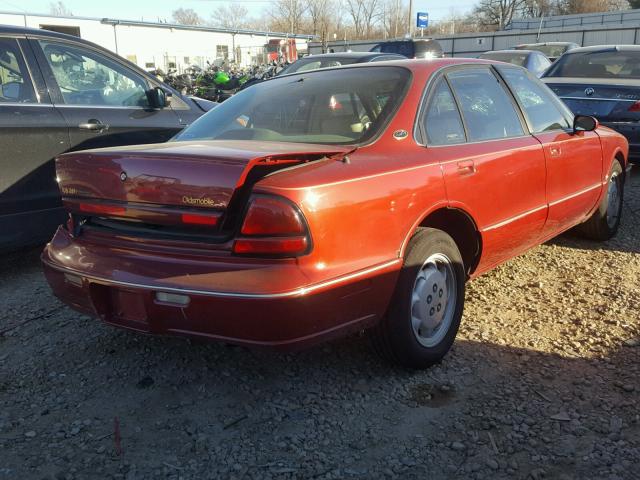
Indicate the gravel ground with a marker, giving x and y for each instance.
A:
(543, 382)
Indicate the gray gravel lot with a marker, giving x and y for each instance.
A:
(543, 382)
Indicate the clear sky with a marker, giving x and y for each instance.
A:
(152, 10)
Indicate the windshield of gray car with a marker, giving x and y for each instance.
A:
(609, 64)
(341, 106)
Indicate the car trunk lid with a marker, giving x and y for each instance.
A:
(197, 184)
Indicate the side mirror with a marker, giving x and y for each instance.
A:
(158, 98)
(584, 123)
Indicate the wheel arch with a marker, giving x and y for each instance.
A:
(619, 155)
(458, 224)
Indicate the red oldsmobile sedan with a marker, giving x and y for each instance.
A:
(322, 203)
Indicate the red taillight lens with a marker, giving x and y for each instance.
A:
(272, 226)
(272, 216)
(635, 107)
(271, 245)
(196, 219)
(102, 209)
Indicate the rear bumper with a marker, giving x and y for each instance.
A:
(294, 318)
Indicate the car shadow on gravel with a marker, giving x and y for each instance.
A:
(20, 261)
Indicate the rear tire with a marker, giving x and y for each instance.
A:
(605, 221)
(425, 312)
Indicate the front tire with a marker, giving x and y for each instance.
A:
(605, 221)
(425, 312)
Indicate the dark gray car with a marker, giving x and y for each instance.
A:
(603, 82)
(60, 93)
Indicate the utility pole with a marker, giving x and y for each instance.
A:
(540, 27)
(410, 18)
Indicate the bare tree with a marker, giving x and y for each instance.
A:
(498, 13)
(186, 16)
(364, 15)
(230, 16)
(591, 6)
(394, 18)
(59, 9)
(539, 8)
(322, 18)
(287, 15)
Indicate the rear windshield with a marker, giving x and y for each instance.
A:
(513, 58)
(342, 106)
(612, 64)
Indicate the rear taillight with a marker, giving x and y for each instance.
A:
(272, 226)
(635, 107)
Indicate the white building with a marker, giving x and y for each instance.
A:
(160, 45)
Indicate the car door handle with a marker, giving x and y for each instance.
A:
(466, 167)
(94, 126)
(555, 151)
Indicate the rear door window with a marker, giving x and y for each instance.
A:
(15, 81)
(441, 121)
(487, 109)
(543, 110)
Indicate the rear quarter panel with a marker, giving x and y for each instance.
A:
(360, 213)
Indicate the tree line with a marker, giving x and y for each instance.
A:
(368, 19)
(377, 19)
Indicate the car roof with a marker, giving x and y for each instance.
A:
(15, 30)
(350, 55)
(547, 44)
(535, 52)
(415, 65)
(605, 48)
(40, 32)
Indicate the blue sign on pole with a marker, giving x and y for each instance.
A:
(423, 20)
